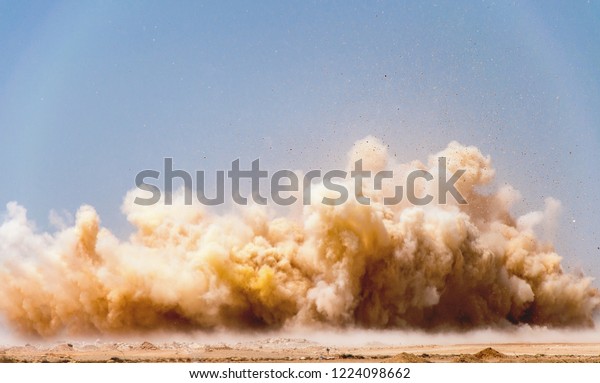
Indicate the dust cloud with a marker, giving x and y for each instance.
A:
(439, 267)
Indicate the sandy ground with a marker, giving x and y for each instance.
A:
(298, 350)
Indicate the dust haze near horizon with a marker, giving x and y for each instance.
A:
(437, 267)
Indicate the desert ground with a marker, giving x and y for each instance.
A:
(296, 350)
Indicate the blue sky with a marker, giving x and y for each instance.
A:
(93, 92)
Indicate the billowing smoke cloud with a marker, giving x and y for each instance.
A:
(428, 267)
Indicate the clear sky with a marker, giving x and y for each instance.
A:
(93, 92)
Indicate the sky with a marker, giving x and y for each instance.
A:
(91, 93)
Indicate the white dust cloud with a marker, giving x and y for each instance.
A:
(434, 267)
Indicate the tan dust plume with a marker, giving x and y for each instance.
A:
(403, 266)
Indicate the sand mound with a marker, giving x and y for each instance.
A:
(489, 353)
(64, 347)
(406, 357)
